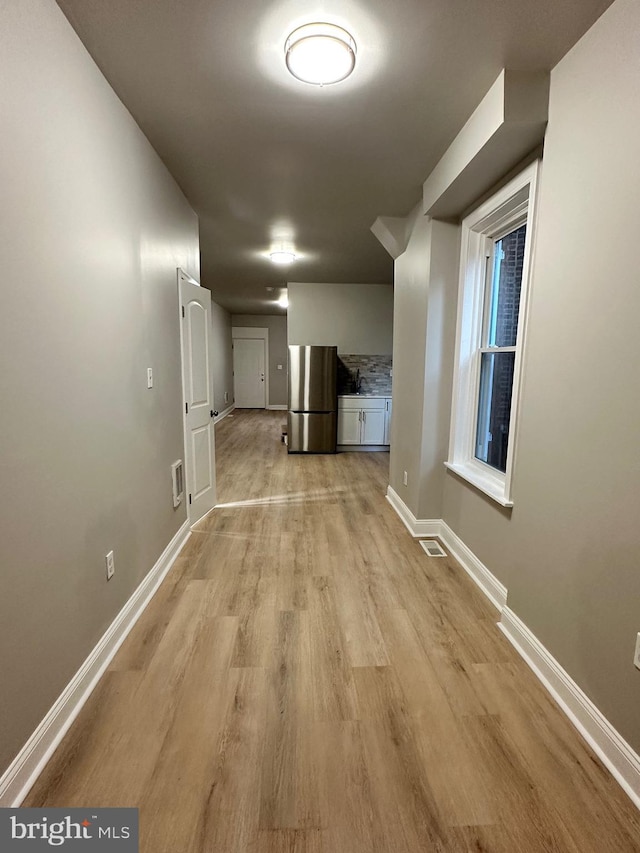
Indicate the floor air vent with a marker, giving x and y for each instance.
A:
(433, 548)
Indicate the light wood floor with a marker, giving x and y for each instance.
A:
(307, 680)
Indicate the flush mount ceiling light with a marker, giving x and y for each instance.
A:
(282, 257)
(320, 53)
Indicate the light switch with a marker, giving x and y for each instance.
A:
(149, 377)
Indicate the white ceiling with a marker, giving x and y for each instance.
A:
(260, 155)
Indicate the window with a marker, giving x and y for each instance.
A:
(494, 271)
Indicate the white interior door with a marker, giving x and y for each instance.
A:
(197, 380)
(248, 373)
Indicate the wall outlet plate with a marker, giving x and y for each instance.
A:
(149, 377)
(636, 657)
(110, 564)
(405, 478)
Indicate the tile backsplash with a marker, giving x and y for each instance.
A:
(374, 374)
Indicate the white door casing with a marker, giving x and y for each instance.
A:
(197, 384)
(249, 373)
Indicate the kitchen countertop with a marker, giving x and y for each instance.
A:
(365, 396)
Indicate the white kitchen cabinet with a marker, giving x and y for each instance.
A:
(362, 420)
(349, 425)
(372, 429)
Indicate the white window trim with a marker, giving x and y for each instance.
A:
(503, 212)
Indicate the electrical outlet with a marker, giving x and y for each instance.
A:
(226, 396)
(636, 657)
(110, 565)
(149, 377)
(405, 478)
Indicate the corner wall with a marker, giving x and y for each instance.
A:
(411, 298)
(92, 232)
(424, 326)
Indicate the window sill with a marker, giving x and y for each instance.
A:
(490, 486)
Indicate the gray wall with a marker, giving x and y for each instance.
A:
(569, 553)
(222, 357)
(424, 326)
(357, 318)
(410, 334)
(91, 233)
(438, 375)
(277, 325)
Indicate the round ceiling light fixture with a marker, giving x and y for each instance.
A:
(320, 54)
(282, 257)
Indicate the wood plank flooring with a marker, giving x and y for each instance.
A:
(307, 680)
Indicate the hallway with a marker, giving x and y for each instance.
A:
(307, 680)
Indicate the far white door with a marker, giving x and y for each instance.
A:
(248, 373)
(197, 383)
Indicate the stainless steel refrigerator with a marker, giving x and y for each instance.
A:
(313, 401)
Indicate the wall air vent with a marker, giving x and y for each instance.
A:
(177, 481)
(433, 548)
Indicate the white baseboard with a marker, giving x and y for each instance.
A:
(605, 741)
(416, 527)
(32, 758)
(495, 591)
(362, 448)
(224, 414)
(277, 408)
